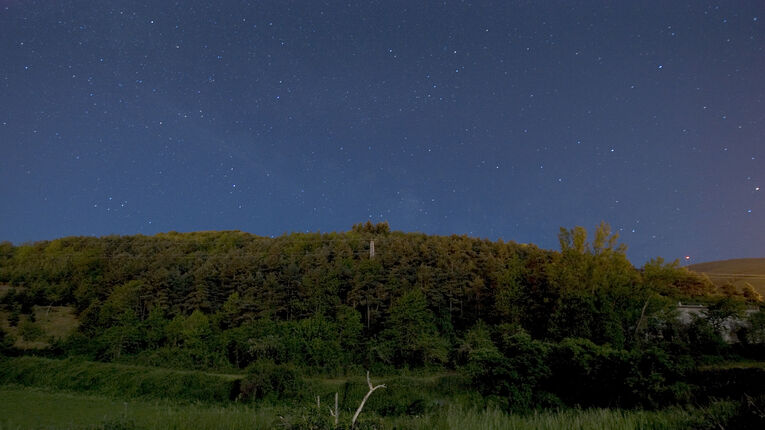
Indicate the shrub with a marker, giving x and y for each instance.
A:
(30, 331)
(6, 342)
(13, 318)
(265, 379)
(653, 378)
(117, 380)
(513, 370)
(587, 374)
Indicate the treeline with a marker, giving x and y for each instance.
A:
(511, 315)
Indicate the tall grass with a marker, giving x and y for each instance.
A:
(23, 408)
(458, 418)
(405, 394)
(33, 408)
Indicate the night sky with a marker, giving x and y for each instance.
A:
(503, 119)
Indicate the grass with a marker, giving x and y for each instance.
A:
(739, 272)
(56, 322)
(734, 365)
(456, 418)
(34, 408)
(404, 395)
(69, 394)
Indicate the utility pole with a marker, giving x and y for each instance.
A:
(371, 249)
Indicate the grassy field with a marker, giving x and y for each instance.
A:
(33, 408)
(55, 322)
(38, 393)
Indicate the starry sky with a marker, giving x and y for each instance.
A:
(504, 119)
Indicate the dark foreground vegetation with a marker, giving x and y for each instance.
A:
(229, 318)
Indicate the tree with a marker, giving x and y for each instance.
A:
(350, 331)
(600, 296)
(671, 280)
(124, 337)
(412, 333)
(750, 294)
(756, 332)
(381, 228)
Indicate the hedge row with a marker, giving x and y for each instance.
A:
(731, 383)
(118, 380)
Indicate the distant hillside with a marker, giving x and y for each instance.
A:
(737, 271)
(369, 276)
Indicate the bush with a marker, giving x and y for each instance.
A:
(654, 378)
(511, 369)
(30, 331)
(265, 379)
(13, 318)
(6, 342)
(705, 338)
(730, 383)
(402, 396)
(746, 413)
(118, 380)
(587, 374)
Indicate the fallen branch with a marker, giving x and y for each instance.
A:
(336, 412)
(361, 406)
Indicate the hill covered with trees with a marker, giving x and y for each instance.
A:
(525, 325)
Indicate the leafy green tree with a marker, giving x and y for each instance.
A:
(154, 329)
(124, 298)
(600, 294)
(411, 335)
(489, 369)
(195, 329)
(350, 331)
(725, 309)
(262, 339)
(509, 300)
(369, 228)
(319, 343)
(228, 315)
(755, 335)
(671, 280)
(513, 368)
(124, 337)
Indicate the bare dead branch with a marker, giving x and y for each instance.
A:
(361, 406)
(336, 412)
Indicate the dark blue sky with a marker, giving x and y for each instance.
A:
(501, 119)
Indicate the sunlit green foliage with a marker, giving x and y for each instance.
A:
(527, 326)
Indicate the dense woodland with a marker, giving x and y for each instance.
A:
(526, 326)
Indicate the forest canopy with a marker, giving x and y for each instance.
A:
(323, 301)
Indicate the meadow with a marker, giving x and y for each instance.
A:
(25, 407)
(45, 393)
